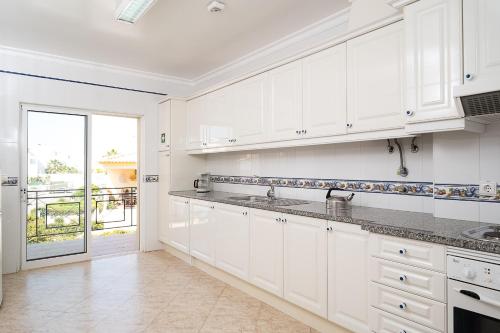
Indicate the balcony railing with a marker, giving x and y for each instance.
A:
(53, 214)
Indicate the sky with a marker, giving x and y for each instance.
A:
(53, 135)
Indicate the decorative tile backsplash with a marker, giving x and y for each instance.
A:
(371, 186)
(464, 192)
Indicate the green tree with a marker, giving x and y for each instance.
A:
(58, 167)
(112, 152)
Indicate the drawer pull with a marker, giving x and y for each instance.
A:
(402, 251)
(402, 331)
(402, 306)
(402, 278)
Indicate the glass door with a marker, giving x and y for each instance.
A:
(55, 187)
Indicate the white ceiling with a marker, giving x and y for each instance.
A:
(176, 37)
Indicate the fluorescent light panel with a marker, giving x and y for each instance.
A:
(131, 10)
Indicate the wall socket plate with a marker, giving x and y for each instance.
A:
(488, 189)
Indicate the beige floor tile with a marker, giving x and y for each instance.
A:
(145, 292)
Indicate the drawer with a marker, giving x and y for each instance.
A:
(419, 309)
(384, 322)
(412, 279)
(410, 252)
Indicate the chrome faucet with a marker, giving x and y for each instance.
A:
(271, 194)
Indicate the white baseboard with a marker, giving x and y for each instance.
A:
(282, 305)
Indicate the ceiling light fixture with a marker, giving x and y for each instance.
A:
(131, 10)
(216, 6)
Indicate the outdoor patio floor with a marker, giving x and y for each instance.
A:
(143, 292)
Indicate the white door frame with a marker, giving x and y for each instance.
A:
(23, 146)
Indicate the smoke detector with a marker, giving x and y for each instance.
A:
(216, 6)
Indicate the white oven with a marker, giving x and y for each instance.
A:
(473, 292)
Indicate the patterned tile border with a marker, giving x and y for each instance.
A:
(462, 192)
(371, 186)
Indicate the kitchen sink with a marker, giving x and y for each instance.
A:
(488, 233)
(267, 201)
(250, 198)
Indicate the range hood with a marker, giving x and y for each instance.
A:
(479, 101)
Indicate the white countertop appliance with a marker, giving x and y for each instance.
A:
(473, 292)
(202, 184)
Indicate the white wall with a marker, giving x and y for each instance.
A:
(358, 161)
(16, 89)
(468, 158)
(444, 158)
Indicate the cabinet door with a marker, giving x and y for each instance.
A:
(250, 107)
(266, 250)
(232, 239)
(305, 263)
(286, 101)
(348, 258)
(178, 223)
(375, 80)
(163, 198)
(202, 229)
(481, 46)
(433, 59)
(164, 126)
(196, 123)
(219, 118)
(325, 109)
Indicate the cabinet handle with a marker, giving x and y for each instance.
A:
(298, 132)
(402, 306)
(410, 113)
(329, 229)
(402, 331)
(304, 131)
(349, 125)
(402, 251)
(245, 213)
(402, 278)
(469, 76)
(284, 221)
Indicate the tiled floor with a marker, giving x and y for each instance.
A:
(146, 292)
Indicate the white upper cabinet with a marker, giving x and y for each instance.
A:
(481, 41)
(202, 230)
(348, 254)
(305, 263)
(232, 239)
(178, 223)
(375, 80)
(219, 117)
(163, 197)
(164, 126)
(196, 123)
(250, 107)
(324, 77)
(266, 250)
(433, 31)
(286, 101)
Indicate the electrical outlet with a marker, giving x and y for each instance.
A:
(488, 189)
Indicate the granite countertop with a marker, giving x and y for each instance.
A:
(417, 226)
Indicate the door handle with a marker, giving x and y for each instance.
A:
(478, 297)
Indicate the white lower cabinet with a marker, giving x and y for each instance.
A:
(202, 229)
(384, 322)
(266, 250)
(305, 263)
(178, 223)
(348, 254)
(419, 309)
(232, 249)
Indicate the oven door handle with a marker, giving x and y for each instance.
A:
(478, 297)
